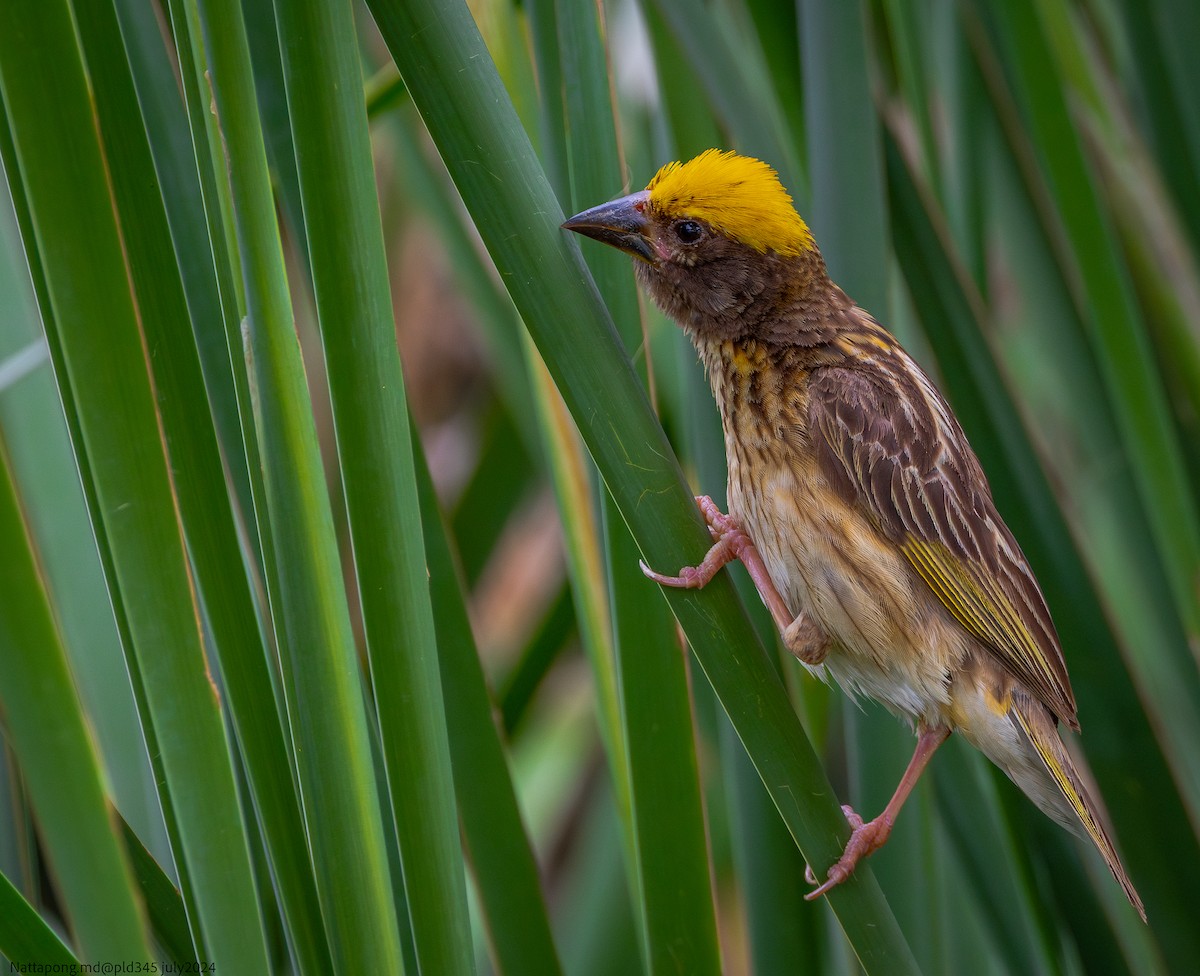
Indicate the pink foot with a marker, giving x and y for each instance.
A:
(865, 840)
(730, 542)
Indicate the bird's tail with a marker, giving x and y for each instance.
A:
(1042, 732)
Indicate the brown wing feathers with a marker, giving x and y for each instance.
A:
(900, 456)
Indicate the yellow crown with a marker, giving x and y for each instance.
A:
(738, 195)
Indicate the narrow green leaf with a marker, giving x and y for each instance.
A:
(691, 120)
(164, 904)
(60, 766)
(778, 30)
(503, 863)
(678, 916)
(965, 172)
(205, 240)
(25, 937)
(516, 688)
(384, 91)
(262, 31)
(599, 931)
(848, 212)
(493, 495)
(552, 120)
(1163, 82)
(909, 28)
(989, 857)
(585, 562)
(782, 926)
(430, 189)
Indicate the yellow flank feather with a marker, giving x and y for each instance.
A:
(738, 195)
(980, 604)
(961, 595)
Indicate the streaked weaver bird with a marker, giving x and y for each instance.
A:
(855, 501)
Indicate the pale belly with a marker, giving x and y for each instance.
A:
(893, 640)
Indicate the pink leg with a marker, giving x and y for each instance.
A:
(869, 837)
(731, 543)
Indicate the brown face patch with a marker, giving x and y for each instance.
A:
(718, 288)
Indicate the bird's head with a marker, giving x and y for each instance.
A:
(718, 243)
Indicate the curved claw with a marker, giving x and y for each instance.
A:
(865, 839)
(688, 578)
(730, 542)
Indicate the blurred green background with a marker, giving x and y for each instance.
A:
(319, 659)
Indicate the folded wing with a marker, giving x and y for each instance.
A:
(887, 441)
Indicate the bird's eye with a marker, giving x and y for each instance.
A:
(688, 231)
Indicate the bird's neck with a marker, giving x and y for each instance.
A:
(803, 331)
(765, 376)
(753, 384)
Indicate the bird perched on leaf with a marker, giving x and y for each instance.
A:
(855, 501)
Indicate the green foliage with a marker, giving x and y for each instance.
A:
(246, 687)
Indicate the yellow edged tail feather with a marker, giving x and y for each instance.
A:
(1040, 729)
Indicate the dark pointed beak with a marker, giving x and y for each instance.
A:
(620, 223)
